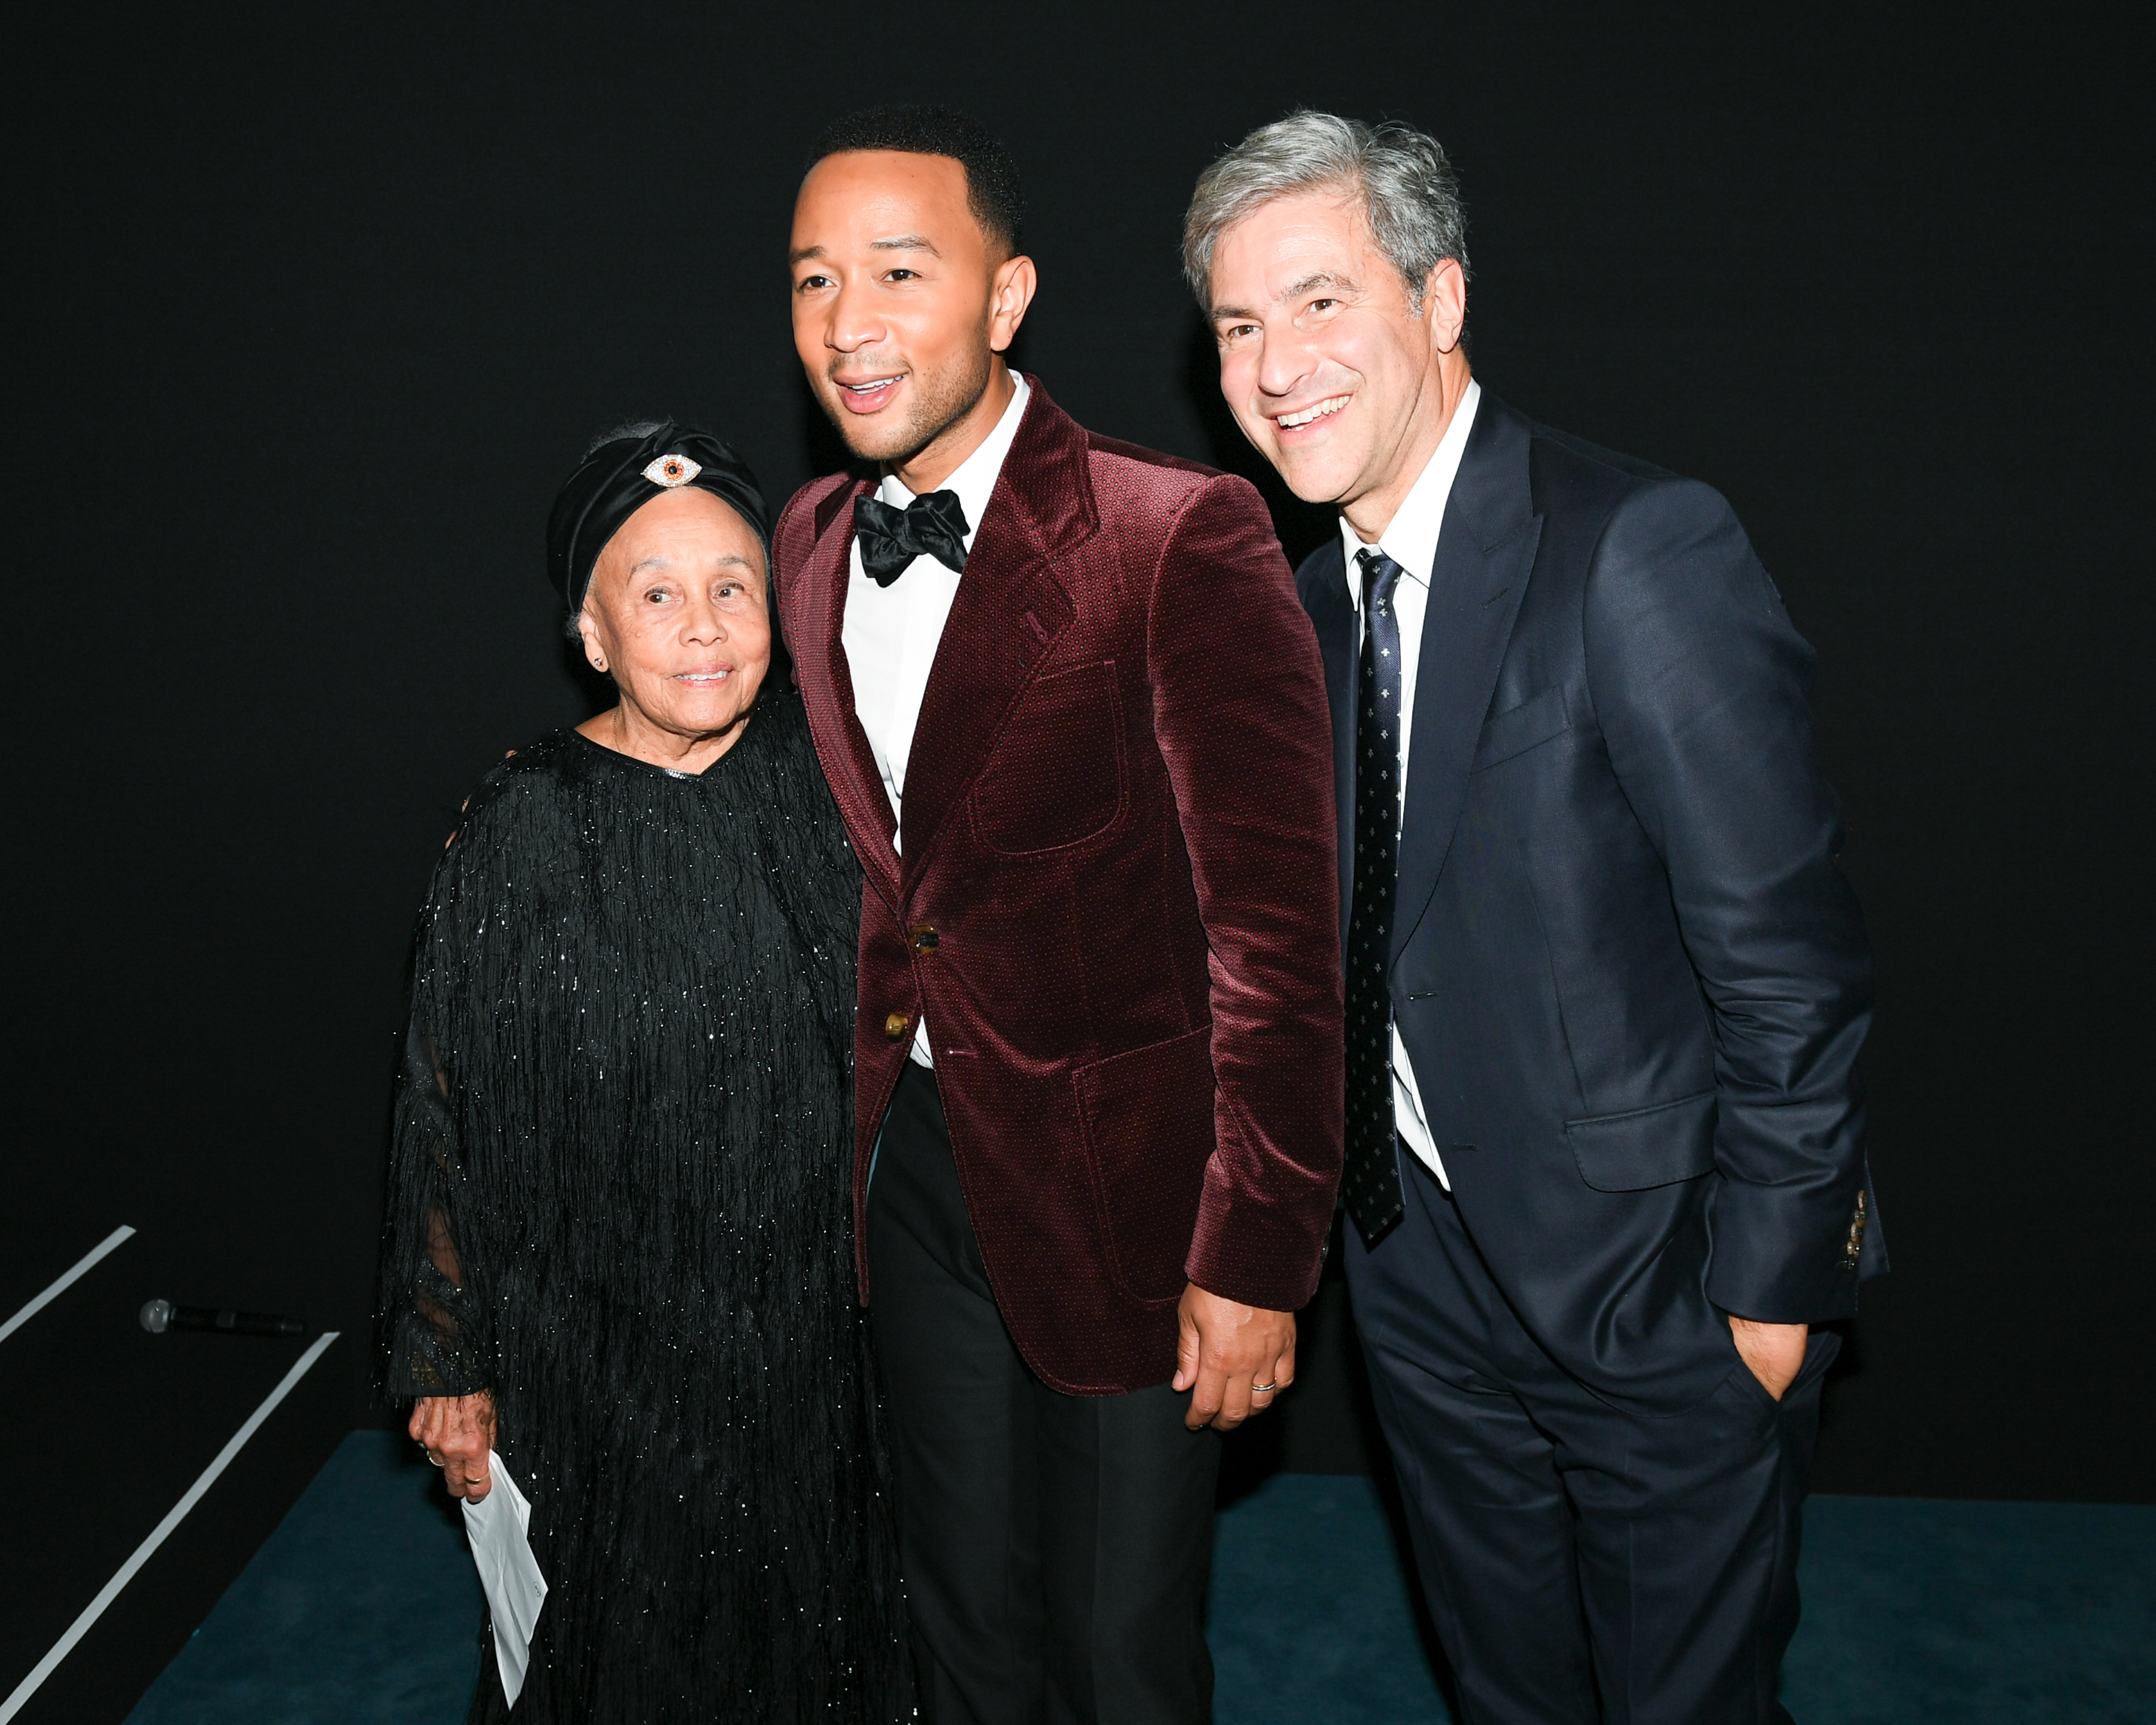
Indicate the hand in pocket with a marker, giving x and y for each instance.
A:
(1774, 1353)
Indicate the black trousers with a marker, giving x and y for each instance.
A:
(1055, 1547)
(1582, 1564)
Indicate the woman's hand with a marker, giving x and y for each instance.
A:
(456, 1431)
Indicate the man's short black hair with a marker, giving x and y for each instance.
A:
(992, 188)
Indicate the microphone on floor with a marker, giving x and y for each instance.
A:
(159, 1316)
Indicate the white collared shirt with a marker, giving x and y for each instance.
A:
(1410, 539)
(890, 634)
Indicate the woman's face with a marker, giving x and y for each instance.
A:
(677, 615)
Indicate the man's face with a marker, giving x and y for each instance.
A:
(1326, 366)
(895, 291)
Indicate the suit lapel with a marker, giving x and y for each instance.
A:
(1485, 552)
(848, 763)
(1009, 609)
(1337, 624)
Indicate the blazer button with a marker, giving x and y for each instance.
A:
(897, 1025)
(923, 937)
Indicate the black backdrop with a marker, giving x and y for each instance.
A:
(312, 312)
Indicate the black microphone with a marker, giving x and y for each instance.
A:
(159, 1316)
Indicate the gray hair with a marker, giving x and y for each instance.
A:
(1410, 195)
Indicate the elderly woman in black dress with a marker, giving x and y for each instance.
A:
(619, 1248)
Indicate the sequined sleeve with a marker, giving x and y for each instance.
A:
(435, 1346)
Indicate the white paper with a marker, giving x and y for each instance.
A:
(498, 1526)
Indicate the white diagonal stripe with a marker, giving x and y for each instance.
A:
(110, 1591)
(61, 1286)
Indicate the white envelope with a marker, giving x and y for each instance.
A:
(498, 1526)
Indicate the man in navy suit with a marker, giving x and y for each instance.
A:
(1606, 987)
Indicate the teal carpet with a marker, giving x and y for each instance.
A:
(362, 1608)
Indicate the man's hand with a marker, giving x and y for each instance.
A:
(1232, 1359)
(456, 1431)
(1775, 1352)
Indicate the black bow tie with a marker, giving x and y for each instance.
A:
(890, 539)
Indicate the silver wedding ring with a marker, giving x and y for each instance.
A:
(1263, 1388)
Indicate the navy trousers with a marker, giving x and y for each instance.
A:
(1584, 1565)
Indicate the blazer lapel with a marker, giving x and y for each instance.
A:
(848, 764)
(1009, 610)
(1338, 626)
(1485, 552)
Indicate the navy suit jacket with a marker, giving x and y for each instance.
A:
(1632, 980)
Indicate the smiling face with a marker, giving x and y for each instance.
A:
(1329, 368)
(901, 306)
(676, 614)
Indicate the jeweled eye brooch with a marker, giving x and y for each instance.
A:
(672, 470)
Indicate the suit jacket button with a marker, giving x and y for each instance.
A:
(897, 1025)
(923, 937)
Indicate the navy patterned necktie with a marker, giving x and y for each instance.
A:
(1370, 1181)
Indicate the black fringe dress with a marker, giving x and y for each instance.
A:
(618, 1198)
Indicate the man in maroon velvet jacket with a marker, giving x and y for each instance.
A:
(1099, 1049)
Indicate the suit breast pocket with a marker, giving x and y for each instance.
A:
(1057, 776)
(1519, 729)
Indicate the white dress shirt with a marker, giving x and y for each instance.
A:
(1410, 539)
(890, 634)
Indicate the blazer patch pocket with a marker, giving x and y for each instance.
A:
(1057, 775)
(1520, 728)
(1148, 1120)
(1646, 1147)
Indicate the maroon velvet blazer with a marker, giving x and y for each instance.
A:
(1118, 902)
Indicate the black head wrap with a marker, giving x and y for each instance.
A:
(622, 474)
